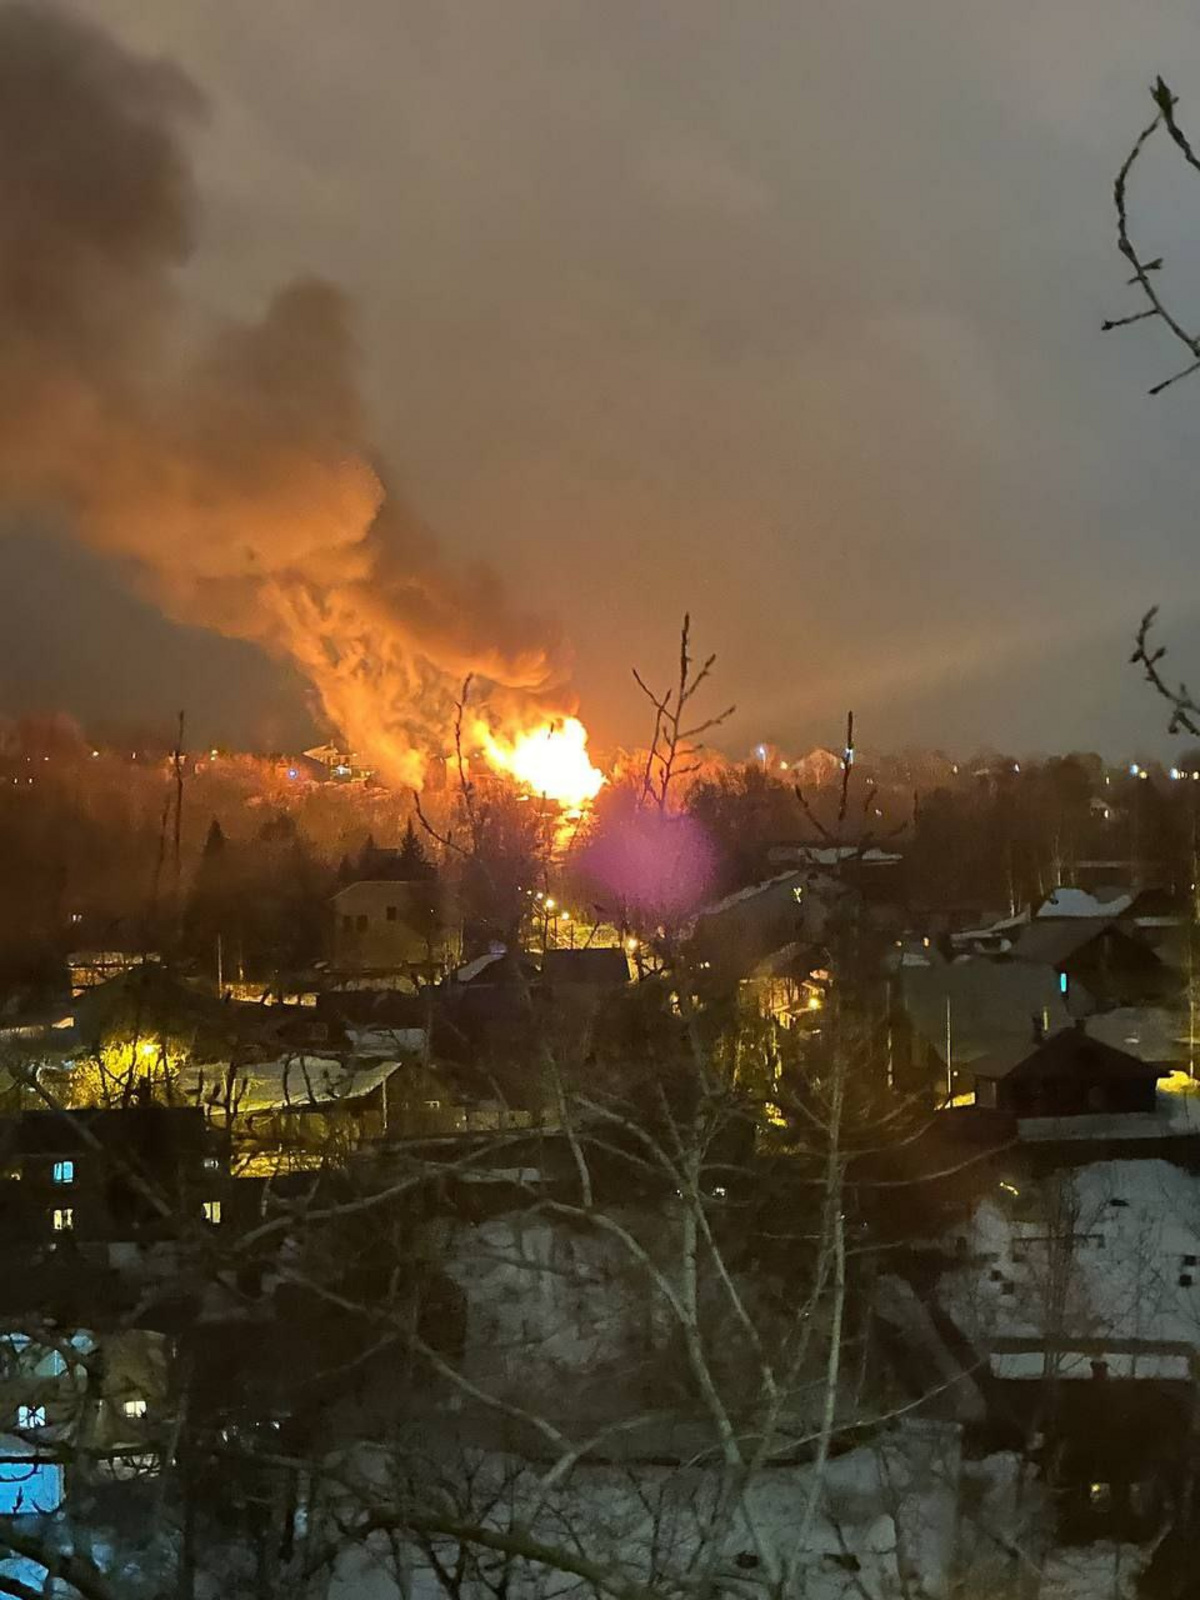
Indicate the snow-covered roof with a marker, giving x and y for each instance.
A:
(1108, 1251)
(786, 961)
(378, 1040)
(1078, 903)
(1152, 1033)
(295, 1082)
(829, 855)
(751, 892)
(480, 964)
(1000, 929)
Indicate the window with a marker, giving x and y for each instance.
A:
(433, 1105)
(63, 1218)
(360, 924)
(135, 1407)
(31, 1417)
(1064, 983)
(1185, 1280)
(212, 1211)
(64, 1172)
(1189, 1261)
(391, 913)
(211, 1164)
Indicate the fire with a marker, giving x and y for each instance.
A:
(551, 761)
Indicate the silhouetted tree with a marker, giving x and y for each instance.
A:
(413, 864)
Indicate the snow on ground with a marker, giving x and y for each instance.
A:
(885, 1525)
(1115, 1244)
(903, 1518)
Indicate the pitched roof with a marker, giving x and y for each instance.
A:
(1053, 942)
(295, 1082)
(1152, 1033)
(992, 1004)
(750, 892)
(1078, 903)
(1069, 1053)
(605, 968)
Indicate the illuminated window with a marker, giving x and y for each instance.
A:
(1063, 983)
(31, 1416)
(135, 1407)
(212, 1211)
(211, 1164)
(64, 1172)
(63, 1219)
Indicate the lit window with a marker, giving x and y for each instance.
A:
(1063, 983)
(212, 1211)
(63, 1219)
(31, 1416)
(211, 1164)
(64, 1172)
(135, 1407)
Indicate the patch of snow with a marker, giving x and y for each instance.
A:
(1114, 1246)
(1078, 903)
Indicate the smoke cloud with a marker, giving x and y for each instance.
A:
(232, 472)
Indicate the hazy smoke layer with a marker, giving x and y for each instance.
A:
(234, 474)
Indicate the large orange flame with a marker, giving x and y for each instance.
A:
(550, 761)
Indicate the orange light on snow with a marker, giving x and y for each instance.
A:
(551, 760)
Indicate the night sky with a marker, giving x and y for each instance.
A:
(786, 313)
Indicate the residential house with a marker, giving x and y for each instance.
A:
(950, 1015)
(592, 969)
(295, 1112)
(785, 985)
(734, 934)
(77, 1392)
(108, 1177)
(876, 872)
(1081, 1288)
(381, 925)
(1067, 1074)
(1099, 964)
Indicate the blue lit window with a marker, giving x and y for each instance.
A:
(30, 1487)
(64, 1172)
(1063, 982)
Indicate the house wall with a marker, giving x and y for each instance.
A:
(1059, 1096)
(379, 925)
